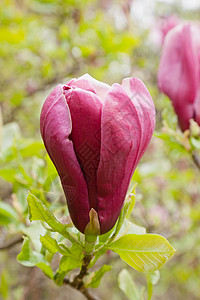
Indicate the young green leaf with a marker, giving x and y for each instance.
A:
(145, 253)
(130, 228)
(128, 286)
(30, 258)
(120, 221)
(125, 212)
(33, 232)
(50, 244)
(66, 264)
(7, 214)
(4, 284)
(39, 212)
(53, 247)
(104, 237)
(195, 143)
(77, 252)
(153, 279)
(34, 147)
(172, 139)
(9, 174)
(98, 254)
(132, 204)
(46, 269)
(94, 279)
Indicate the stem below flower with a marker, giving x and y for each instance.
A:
(90, 242)
(78, 283)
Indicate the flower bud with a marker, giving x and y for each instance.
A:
(95, 135)
(179, 72)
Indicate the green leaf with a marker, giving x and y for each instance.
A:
(121, 219)
(7, 214)
(53, 247)
(94, 279)
(127, 208)
(39, 212)
(77, 252)
(4, 220)
(98, 254)
(30, 258)
(9, 175)
(33, 232)
(104, 237)
(130, 228)
(125, 213)
(71, 260)
(34, 148)
(153, 279)
(172, 138)
(50, 244)
(46, 269)
(131, 188)
(150, 290)
(132, 204)
(195, 143)
(66, 264)
(128, 286)
(145, 253)
(4, 288)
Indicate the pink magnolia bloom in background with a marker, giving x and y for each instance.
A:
(167, 24)
(179, 72)
(95, 135)
(159, 30)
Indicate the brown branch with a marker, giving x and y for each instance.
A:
(196, 159)
(12, 243)
(78, 283)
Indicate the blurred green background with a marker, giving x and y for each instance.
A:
(46, 42)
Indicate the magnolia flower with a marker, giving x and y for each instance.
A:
(95, 135)
(179, 72)
(167, 24)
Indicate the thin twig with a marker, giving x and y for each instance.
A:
(12, 243)
(196, 159)
(78, 283)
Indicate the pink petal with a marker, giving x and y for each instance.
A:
(122, 145)
(169, 23)
(85, 108)
(178, 75)
(56, 127)
(82, 84)
(100, 88)
(138, 93)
